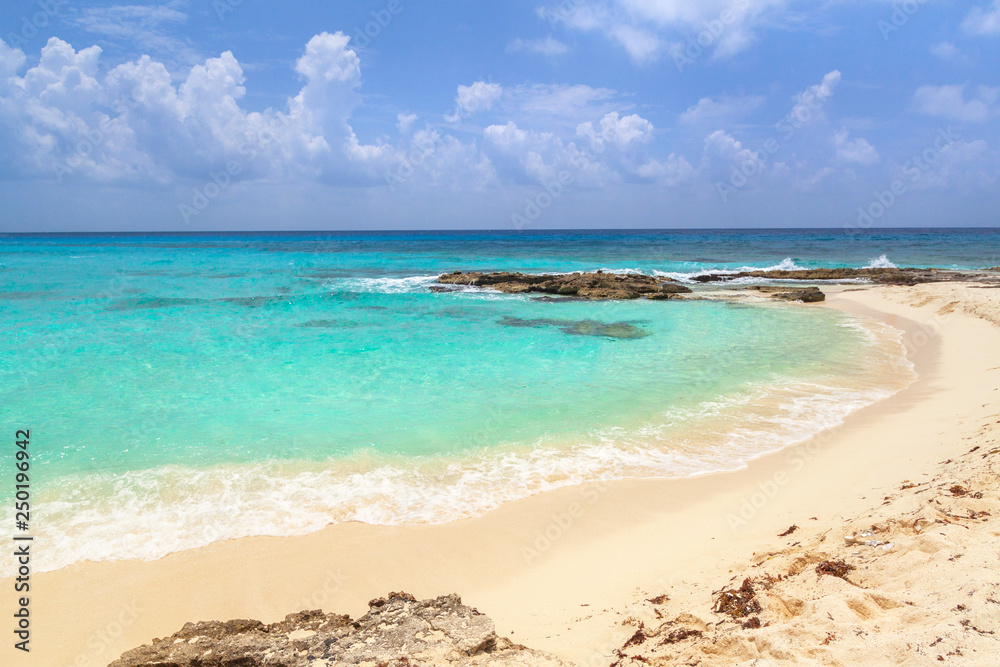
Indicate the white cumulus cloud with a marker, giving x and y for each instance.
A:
(951, 102)
(983, 20)
(856, 150)
(647, 28)
(478, 97)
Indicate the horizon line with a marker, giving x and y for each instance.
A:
(544, 230)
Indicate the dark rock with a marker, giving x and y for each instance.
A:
(581, 327)
(397, 629)
(598, 285)
(559, 299)
(808, 295)
(331, 324)
(880, 276)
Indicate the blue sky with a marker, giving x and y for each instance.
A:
(199, 115)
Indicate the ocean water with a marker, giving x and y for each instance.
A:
(185, 389)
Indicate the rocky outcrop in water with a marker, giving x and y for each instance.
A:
(397, 631)
(804, 294)
(597, 285)
(880, 276)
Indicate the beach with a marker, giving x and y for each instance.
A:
(593, 333)
(568, 571)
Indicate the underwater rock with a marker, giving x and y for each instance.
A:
(581, 327)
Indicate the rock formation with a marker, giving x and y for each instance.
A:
(598, 285)
(881, 276)
(397, 631)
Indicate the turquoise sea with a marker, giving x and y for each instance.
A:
(185, 389)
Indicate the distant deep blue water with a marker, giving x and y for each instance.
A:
(183, 389)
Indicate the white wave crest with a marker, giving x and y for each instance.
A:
(787, 264)
(386, 285)
(880, 262)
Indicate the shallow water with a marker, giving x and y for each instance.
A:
(183, 390)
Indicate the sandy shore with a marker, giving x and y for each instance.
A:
(569, 571)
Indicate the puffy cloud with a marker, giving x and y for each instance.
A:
(854, 150)
(63, 77)
(822, 91)
(11, 60)
(725, 109)
(559, 106)
(139, 122)
(316, 126)
(646, 28)
(950, 102)
(470, 100)
(526, 156)
(328, 58)
(944, 50)
(545, 47)
(404, 121)
(610, 150)
(722, 152)
(642, 45)
(134, 123)
(809, 104)
(983, 20)
(619, 132)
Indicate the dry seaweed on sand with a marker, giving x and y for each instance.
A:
(791, 529)
(679, 635)
(834, 568)
(638, 638)
(659, 599)
(738, 603)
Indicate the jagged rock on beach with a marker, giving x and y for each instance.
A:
(597, 285)
(397, 630)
